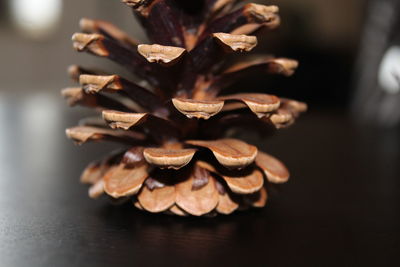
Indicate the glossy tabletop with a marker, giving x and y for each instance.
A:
(341, 206)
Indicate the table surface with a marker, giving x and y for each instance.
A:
(340, 208)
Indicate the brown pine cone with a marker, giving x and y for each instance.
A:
(173, 118)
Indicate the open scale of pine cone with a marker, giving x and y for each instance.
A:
(173, 120)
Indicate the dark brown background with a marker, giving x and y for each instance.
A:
(340, 208)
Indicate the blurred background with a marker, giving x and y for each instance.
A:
(348, 50)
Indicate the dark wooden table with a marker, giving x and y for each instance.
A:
(340, 208)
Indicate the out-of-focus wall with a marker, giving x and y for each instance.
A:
(331, 23)
(29, 64)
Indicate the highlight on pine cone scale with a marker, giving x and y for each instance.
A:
(173, 116)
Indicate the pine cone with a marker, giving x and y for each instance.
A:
(173, 123)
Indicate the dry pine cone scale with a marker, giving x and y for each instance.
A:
(179, 160)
